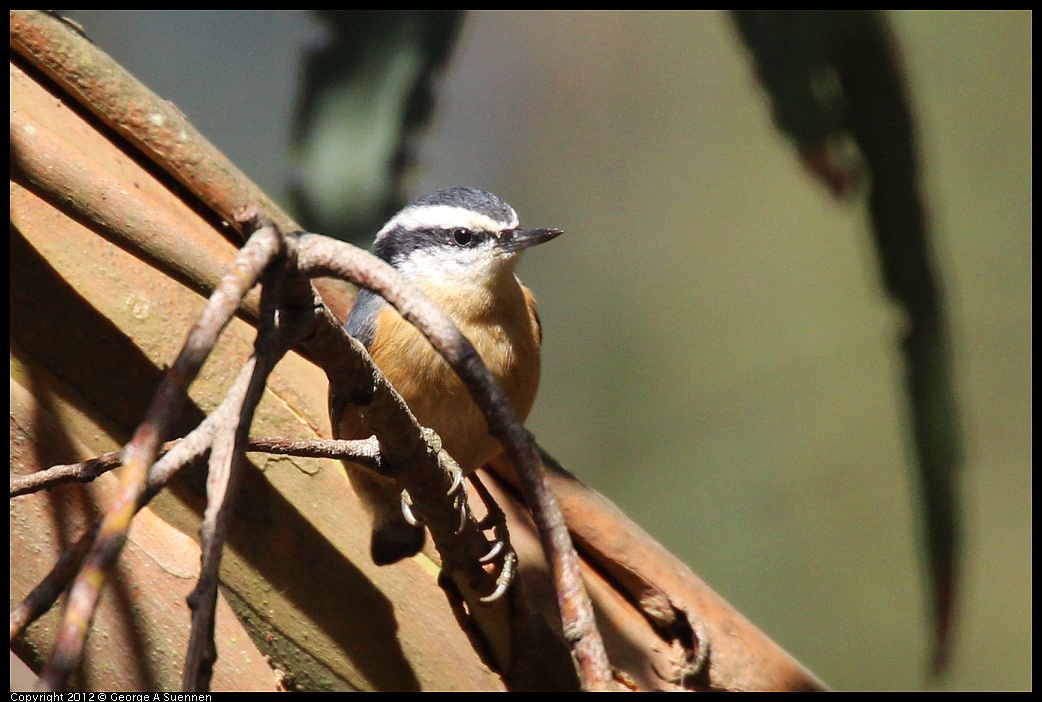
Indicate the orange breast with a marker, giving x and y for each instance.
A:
(506, 335)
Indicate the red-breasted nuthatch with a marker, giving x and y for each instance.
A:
(459, 247)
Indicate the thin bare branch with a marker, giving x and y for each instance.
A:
(82, 472)
(226, 457)
(365, 452)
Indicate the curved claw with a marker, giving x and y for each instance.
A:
(457, 481)
(462, 517)
(506, 577)
(492, 553)
(407, 512)
(459, 487)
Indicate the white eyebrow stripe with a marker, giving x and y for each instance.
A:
(444, 217)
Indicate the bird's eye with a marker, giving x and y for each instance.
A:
(463, 237)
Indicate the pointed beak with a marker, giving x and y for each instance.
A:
(520, 239)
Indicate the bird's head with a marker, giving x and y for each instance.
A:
(459, 238)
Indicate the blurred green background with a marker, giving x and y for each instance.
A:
(719, 357)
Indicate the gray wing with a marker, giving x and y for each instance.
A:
(361, 324)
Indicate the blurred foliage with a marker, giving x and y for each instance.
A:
(836, 74)
(364, 95)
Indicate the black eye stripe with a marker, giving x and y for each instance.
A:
(399, 244)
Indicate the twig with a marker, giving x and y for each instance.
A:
(82, 472)
(362, 451)
(226, 457)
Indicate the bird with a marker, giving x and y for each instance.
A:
(460, 247)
